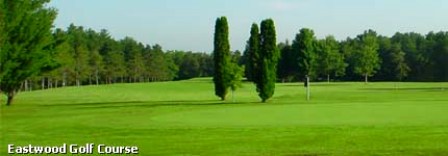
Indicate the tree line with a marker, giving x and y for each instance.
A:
(87, 57)
(401, 57)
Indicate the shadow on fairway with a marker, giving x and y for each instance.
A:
(429, 89)
(149, 104)
(312, 84)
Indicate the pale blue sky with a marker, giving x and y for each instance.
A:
(189, 24)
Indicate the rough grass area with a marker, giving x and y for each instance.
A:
(185, 118)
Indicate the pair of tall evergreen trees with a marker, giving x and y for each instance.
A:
(264, 56)
(262, 61)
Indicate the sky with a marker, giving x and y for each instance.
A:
(189, 24)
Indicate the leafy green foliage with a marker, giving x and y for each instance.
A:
(189, 67)
(78, 42)
(192, 64)
(367, 62)
(160, 66)
(236, 75)
(95, 60)
(26, 42)
(64, 57)
(303, 48)
(400, 68)
(331, 60)
(113, 57)
(437, 49)
(288, 66)
(133, 58)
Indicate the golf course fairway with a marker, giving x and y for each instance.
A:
(186, 118)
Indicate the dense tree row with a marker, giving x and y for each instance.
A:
(402, 57)
(86, 57)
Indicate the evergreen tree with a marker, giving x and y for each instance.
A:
(251, 53)
(64, 57)
(221, 55)
(26, 41)
(95, 60)
(266, 64)
(78, 43)
(160, 66)
(113, 58)
(133, 58)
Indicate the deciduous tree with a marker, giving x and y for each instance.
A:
(367, 62)
(331, 60)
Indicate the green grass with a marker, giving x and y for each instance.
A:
(185, 118)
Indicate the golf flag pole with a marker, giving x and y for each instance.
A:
(308, 88)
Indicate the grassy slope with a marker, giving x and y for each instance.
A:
(185, 118)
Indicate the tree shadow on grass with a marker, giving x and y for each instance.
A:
(428, 89)
(148, 104)
(300, 84)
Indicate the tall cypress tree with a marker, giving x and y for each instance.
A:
(221, 55)
(252, 52)
(266, 64)
(26, 42)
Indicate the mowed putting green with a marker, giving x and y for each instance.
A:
(185, 118)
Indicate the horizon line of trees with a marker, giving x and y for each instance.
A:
(87, 57)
